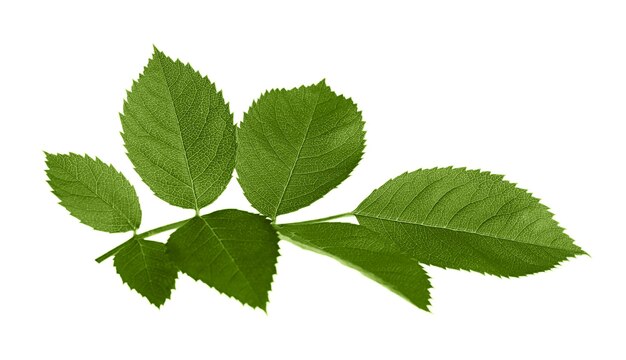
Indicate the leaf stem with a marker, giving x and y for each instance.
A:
(143, 235)
(315, 221)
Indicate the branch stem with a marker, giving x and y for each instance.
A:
(176, 225)
(143, 235)
(163, 228)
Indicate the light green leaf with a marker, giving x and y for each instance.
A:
(467, 219)
(179, 133)
(146, 268)
(94, 192)
(294, 146)
(373, 255)
(231, 250)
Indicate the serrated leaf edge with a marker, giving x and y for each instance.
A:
(109, 165)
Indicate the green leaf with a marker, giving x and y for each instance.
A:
(146, 268)
(294, 146)
(94, 192)
(467, 219)
(231, 250)
(179, 133)
(373, 255)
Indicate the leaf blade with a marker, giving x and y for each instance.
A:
(174, 120)
(94, 192)
(366, 251)
(467, 219)
(232, 251)
(145, 267)
(294, 146)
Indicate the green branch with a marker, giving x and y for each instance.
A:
(178, 224)
(143, 235)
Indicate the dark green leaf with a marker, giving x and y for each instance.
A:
(373, 255)
(146, 268)
(94, 192)
(473, 220)
(294, 146)
(231, 250)
(179, 133)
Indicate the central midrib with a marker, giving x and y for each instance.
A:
(231, 258)
(145, 264)
(293, 167)
(462, 231)
(180, 135)
(95, 192)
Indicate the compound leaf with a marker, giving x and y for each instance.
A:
(467, 219)
(365, 250)
(146, 268)
(294, 146)
(231, 250)
(94, 192)
(179, 133)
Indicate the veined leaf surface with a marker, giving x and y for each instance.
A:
(294, 146)
(94, 192)
(179, 133)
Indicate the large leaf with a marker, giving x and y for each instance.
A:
(375, 256)
(146, 268)
(471, 220)
(94, 192)
(231, 250)
(294, 146)
(179, 133)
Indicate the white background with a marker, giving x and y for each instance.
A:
(532, 89)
